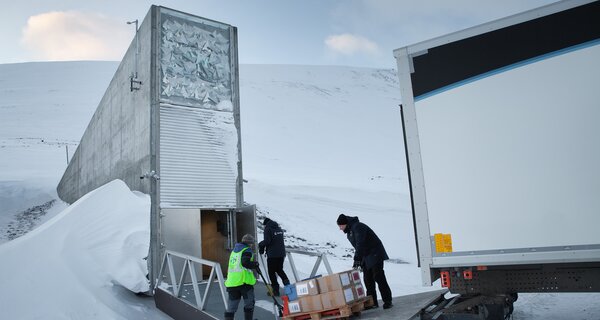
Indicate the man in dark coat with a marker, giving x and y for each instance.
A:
(369, 255)
(273, 243)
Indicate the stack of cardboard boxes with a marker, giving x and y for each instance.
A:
(324, 293)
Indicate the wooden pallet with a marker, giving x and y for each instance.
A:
(343, 312)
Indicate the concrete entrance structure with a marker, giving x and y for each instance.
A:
(169, 126)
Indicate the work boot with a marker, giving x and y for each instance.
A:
(229, 315)
(248, 315)
(387, 305)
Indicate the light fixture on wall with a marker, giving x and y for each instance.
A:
(134, 83)
(150, 174)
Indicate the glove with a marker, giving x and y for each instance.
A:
(356, 264)
(261, 248)
(261, 251)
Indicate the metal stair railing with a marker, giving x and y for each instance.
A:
(321, 257)
(189, 268)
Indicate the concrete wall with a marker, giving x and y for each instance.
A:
(117, 142)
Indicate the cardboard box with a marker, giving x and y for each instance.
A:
(336, 281)
(306, 304)
(307, 288)
(329, 283)
(337, 298)
(332, 300)
(311, 303)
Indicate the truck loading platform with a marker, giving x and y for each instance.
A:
(405, 307)
(181, 294)
(182, 308)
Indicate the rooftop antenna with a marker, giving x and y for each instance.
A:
(134, 82)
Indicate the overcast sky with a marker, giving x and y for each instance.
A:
(310, 32)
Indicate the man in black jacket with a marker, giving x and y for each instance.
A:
(273, 242)
(369, 254)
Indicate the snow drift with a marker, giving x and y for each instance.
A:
(99, 241)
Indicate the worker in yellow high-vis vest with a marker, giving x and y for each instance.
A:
(240, 278)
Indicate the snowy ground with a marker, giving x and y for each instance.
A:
(317, 141)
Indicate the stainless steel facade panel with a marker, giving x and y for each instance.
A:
(199, 150)
(198, 157)
(195, 61)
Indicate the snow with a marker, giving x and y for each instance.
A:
(69, 264)
(316, 141)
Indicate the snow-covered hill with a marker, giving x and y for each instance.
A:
(44, 109)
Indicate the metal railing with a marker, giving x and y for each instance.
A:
(189, 269)
(177, 281)
(321, 257)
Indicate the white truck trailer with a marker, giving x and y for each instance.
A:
(502, 137)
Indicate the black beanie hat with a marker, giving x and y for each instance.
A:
(342, 219)
(266, 221)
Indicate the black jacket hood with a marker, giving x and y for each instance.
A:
(351, 222)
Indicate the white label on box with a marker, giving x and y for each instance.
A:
(294, 307)
(302, 289)
(345, 279)
(348, 295)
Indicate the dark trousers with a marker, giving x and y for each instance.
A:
(377, 275)
(275, 266)
(236, 294)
